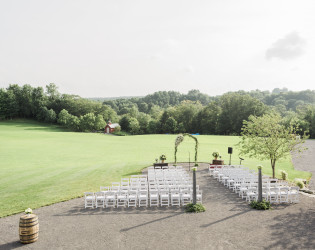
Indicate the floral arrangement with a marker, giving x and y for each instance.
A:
(215, 154)
(156, 160)
(162, 157)
(28, 211)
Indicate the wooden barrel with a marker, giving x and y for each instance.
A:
(29, 228)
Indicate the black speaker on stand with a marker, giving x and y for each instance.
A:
(230, 152)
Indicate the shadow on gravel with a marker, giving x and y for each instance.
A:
(294, 230)
(224, 219)
(149, 222)
(11, 245)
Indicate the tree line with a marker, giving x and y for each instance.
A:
(160, 112)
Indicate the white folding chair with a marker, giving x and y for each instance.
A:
(164, 198)
(273, 194)
(122, 199)
(143, 198)
(110, 199)
(294, 194)
(283, 195)
(89, 199)
(132, 198)
(185, 197)
(199, 196)
(175, 197)
(154, 198)
(99, 199)
(251, 194)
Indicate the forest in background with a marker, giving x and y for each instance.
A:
(160, 112)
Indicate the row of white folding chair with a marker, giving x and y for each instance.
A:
(164, 176)
(174, 187)
(170, 183)
(275, 195)
(173, 197)
(269, 193)
(124, 189)
(275, 191)
(120, 199)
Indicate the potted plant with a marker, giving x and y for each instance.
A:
(215, 155)
(162, 158)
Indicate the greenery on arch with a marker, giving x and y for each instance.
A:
(180, 139)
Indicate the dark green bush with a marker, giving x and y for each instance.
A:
(195, 208)
(264, 205)
(300, 184)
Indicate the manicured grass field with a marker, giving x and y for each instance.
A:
(43, 164)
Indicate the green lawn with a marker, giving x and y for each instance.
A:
(43, 164)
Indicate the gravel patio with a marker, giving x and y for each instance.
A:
(228, 223)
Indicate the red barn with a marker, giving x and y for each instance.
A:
(110, 127)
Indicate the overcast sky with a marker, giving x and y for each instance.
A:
(136, 47)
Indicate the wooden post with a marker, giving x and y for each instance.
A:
(194, 186)
(259, 184)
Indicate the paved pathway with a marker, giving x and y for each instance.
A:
(228, 223)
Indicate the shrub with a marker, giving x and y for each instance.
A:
(264, 205)
(121, 133)
(215, 154)
(284, 175)
(162, 157)
(195, 208)
(300, 184)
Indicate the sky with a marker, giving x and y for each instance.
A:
(110, 48)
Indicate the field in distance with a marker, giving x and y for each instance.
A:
(42, 164)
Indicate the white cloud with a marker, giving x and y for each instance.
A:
(287, 48)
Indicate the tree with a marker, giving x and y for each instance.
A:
(73, 123)
(186, 113)
(143, 120)
(8, 105)
(170, 125)
(134, 126)
(153, 127)
(87, 122)
(99, 122)
(124, 123)
(266, 138)
(235, 108)
(63, 117)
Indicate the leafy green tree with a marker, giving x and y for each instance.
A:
(143, 120)
(181, 128)
(124, 123)
(155, 111)
(266, 138)
(186, 113)
(108, 113)
(63, 117)
(153, 127)
(170, 125)
(8, 105)
(38, 100)
(99, 123)
(51, 116)
(87, 122)
(235, 108)
(208, 118)
(73, 123)
(134, 126)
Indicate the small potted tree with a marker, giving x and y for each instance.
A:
(162, 158)
(215, 161)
